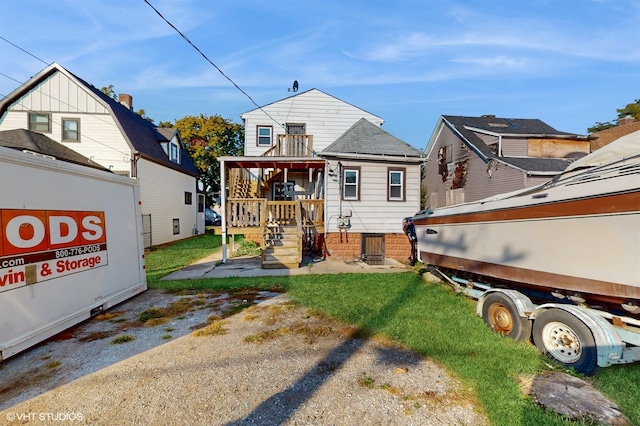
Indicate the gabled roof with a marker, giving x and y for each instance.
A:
(26, 140)
(468, 127)
(142, 136)
(366, 139)
(306, 92)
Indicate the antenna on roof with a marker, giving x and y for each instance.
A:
(294, 88)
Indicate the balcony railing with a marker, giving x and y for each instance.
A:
(292, 146)
(252, 214)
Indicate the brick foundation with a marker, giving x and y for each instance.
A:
(396, 246)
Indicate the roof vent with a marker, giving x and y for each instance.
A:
(498, 125)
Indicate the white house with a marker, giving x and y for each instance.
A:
(74, 113)
(320, 174)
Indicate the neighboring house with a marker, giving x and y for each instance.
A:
(39, 144)
(74, 113)
(471, 158)
(320, 174)
(624, 127)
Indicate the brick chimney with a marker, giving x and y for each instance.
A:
(126, 100)
(625, 120)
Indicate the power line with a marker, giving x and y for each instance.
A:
(211, 62)
(18, 47)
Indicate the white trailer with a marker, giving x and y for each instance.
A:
(70, 246)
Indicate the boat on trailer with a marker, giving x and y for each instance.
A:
(571, 244)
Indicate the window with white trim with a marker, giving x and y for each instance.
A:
(351, 183)
(396, 184)
(265, 135)
(71, 130)
(40, 122)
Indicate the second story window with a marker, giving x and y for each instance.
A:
(174, 152)
(70, 130)
(40, 122)
(265, 135)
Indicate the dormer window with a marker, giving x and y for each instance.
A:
(174, 153)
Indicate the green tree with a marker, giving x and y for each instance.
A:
(632, 109)
(206, 138)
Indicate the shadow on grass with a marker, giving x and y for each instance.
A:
(278, 408)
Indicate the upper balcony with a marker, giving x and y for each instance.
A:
(292, 146)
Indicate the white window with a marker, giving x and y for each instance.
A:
(265, 135)
(40, 122)
(396, 185)
(351, 184)
(70, 130)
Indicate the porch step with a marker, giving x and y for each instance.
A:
(276, 264)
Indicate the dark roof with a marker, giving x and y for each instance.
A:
(522, 127)
(542, 165)
(21, 139)
(144, 136)
(366, 138)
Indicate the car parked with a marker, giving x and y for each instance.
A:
(212, 218)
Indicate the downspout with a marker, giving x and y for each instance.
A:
(223, 208)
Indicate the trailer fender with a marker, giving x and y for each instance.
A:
(609, 345)
(523, 304)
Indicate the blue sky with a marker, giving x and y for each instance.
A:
(570, 63)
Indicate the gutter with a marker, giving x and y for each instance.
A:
(357, 156)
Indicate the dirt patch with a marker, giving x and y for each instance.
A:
(273, 363)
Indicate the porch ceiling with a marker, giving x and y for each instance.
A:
(272, 162)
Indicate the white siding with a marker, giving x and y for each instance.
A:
(373, 213)
(325, 117)
(162, 194)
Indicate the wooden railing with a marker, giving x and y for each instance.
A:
(292, 146)
(257, 212)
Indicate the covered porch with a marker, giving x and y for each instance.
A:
(276, 201)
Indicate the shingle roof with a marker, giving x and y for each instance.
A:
(605, 137)
(522, 127)
(366, 138)
(144, 136)
(22, 139)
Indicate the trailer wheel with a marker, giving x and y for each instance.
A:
(562, 336)
(500, 313)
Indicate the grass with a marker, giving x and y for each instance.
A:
(433, 321)
(161, 261)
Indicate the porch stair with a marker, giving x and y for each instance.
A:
(282, 247)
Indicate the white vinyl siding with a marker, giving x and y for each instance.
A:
(373, 213)
(162, 192)
(325, 118)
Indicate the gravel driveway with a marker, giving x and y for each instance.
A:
(273, 363)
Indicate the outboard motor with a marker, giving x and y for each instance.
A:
(410, 231)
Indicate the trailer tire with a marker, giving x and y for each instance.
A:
(563, 337)
(500, 313)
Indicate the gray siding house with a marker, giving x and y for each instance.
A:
(471, 158)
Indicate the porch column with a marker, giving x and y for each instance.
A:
(223, 207)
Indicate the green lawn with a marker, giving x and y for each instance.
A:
(428, 318)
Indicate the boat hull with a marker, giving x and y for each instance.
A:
(580, 234)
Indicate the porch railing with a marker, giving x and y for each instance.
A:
(256, 212)
(292, 146)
